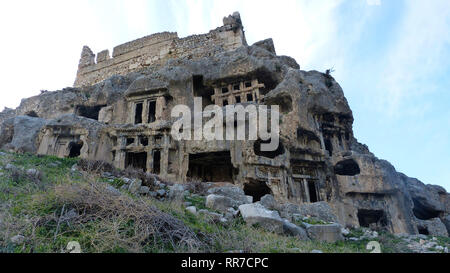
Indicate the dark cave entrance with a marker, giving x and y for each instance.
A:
(329, 146)
(91, 112)
(257, 189)
(75, 149)
(156, 162)
(151, 111)
(136, 161)
(423, 230)
(200, 90)
(313, 196)
(347, 167)
(32, 114)
(211, 167)
(375, 219)
(423, 212)
(138, 113)
(269, 154)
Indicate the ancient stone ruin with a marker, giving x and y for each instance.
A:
(119, 111)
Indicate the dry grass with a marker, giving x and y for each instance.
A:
(125, 222)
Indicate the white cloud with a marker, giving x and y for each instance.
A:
(419, 53)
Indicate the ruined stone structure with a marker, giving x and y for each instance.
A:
(119, 111)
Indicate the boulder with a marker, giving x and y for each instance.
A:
(256, 214)
(112, 190)
(33, 173)
(135, 185)
(232, 192)
(144, 190)
(434, 227)
(268, 201)
(220, 203)
(192, 210)
(26, 130)
(176, 192)
(294, 230)
(161, 193)
(446, 222)
(320, 210)
(326, 233)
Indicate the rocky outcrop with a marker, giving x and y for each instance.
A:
(319, 170)
(256, 214)
(25, 136)
(328, 233)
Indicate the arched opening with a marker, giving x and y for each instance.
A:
(75, 149)
(328, 146)
(347, 167)
(136, 160)
(270, 154)
(256, 189)
(375, 219)
(211, 167)
(32, 114)
(423, 230)
(313, 197)
(423, 212)
(91, 112)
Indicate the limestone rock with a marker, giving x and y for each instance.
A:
(446, 221)
(320, 210)
(144, 190)
(294, 230)
(434, 227)
(269, 202)
(135, 185)
(220, 203)
(327, 233)
(232, 192)
(192, 209)
(26, 130)
(112, 190)
(256, 214)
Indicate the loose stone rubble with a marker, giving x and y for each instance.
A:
(119, 111)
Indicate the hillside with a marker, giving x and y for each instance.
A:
(47, 202)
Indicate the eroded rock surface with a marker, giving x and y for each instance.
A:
(120, 112)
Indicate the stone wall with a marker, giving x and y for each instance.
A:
(156, 49)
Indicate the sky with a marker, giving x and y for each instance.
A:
(392, 58)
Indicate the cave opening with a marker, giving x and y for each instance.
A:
(151, 111)
(256, 189)
(375, 219)
(347, 167)
(32, 114)
(138, 113)
(423, 212)
(130, 141)
(91, 112)
(328, 146)
(157, 162)
(423, 230)
(200, 90)
(211, 167)
(143, 140)
(313, 196)
(269, 154)
(136, 161)
(75, 149)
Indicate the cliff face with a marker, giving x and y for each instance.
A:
(124, 117)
